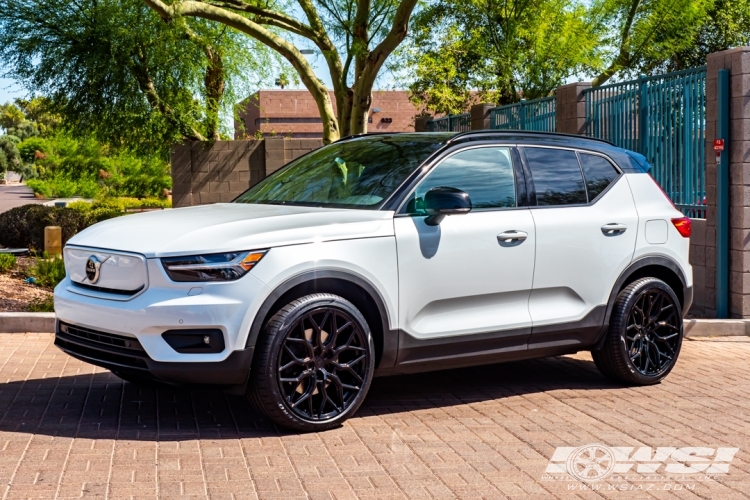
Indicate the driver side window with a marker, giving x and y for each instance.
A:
(486, 174)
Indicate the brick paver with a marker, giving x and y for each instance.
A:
(70, 430)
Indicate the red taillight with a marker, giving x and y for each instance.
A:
(684, 226)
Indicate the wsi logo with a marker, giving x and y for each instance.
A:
(594, 462)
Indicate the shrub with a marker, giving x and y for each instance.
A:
(46, 304)
(24, 226)
(47, 271)
(7, 262)
(62, 186)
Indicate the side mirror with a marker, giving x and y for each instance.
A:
(442, 201)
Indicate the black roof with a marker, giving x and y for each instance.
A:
(523, 134)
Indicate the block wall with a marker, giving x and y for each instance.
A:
(218, 172)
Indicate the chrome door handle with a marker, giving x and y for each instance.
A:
(614, 228)
(512, 236)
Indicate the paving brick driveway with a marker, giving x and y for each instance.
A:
(69, 430)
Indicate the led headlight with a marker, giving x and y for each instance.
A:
(212, 267)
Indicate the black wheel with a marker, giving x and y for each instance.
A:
(313, 363)
(645, 334)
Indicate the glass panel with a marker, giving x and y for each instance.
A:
(360, 173)
(486, 174)
(557, 176)
(599, 173)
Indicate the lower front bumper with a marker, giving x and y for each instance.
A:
(126, 355)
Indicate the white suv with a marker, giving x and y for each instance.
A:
(386, 254)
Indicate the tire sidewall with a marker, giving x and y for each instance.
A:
(627, 305)
(278, 335)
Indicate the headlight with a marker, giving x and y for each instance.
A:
(213, 267)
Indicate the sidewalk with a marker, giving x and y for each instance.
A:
(15, 195)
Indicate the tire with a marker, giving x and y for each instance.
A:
(307, 379)
(642, 344)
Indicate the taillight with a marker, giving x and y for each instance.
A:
(683, 226)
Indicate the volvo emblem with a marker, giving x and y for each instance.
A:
(92, 269)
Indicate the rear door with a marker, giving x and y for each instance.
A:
(586, 226)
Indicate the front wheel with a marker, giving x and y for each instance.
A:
(313, 363)
(645, 334)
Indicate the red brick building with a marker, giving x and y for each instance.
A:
(294, 113)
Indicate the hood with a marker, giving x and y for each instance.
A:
(230, 227)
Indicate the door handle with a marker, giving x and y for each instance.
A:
(613, 228)
(512, 236)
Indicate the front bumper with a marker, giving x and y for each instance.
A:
(126, 355)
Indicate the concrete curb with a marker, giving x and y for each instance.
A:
(716, 328)
(27, 322)
(45, 323)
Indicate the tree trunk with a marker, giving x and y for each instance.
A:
(345, 113)
(215, 84)
(361, 101)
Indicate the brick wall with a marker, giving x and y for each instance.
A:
(218, 172)
(267, 110)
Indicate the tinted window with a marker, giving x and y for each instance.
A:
(359, 173)
(557, 176)
(486, 174)
(599, 173)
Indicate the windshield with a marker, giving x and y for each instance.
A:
(359, 173)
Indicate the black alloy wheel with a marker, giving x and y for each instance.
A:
(645, 334)
(313, 363)
(652, 335)
(323, 364)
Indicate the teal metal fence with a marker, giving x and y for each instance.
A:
(538, 114)
(664, 118)
(451, 123)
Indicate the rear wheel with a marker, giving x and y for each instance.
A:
(313, 363)
(645, 334)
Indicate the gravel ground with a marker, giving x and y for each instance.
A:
(15, 294)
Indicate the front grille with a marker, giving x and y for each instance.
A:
(101, 348)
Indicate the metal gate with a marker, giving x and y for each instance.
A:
(663, 118)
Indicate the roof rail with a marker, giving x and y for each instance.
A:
(355, 136)
(465, 135)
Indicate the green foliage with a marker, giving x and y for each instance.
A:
(68, 167)
(10, 116)
(45, 304)
(726, 25)
(47, 271)
(642, 34)
(23, 227)
(10, 158)
(7, 262)
(505, 49)
(115, 71)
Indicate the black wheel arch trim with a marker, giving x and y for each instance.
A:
(640, 263)
(390, 337)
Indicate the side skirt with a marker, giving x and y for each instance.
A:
(424, 355)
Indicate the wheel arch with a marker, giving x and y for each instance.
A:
(655, 266)
(351, 286)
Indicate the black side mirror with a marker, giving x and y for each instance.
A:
(442, 201)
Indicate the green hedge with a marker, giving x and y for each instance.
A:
(23, 227)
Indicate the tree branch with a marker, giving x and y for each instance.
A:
(273, 41)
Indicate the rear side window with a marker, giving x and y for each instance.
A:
(557, 176)
(486, 174)
(599, 173)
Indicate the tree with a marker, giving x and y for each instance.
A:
(504, 49)
(643, 34)
(367, 31)
(112, 69)
(10, 158)
(726, 25)
(11, 116)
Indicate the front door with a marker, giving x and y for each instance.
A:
(464, 284)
